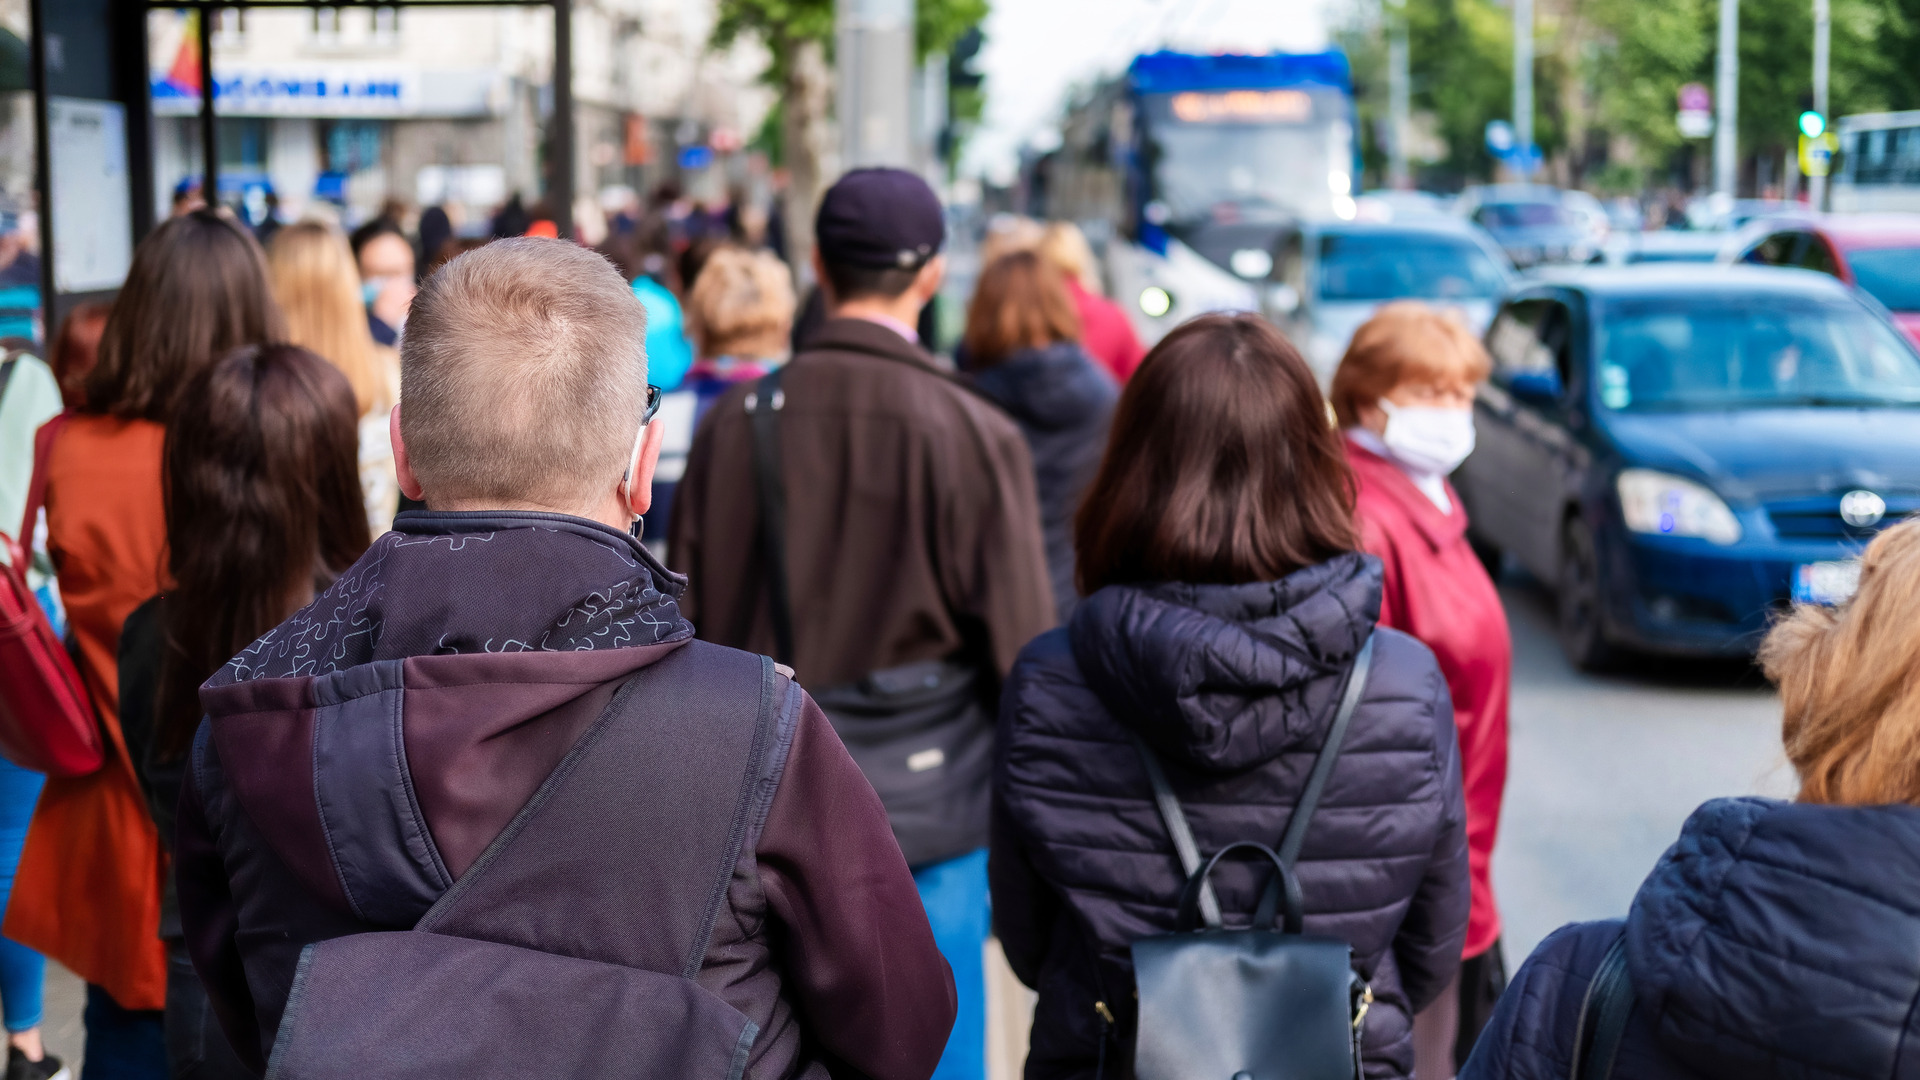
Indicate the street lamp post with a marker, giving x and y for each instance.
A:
(1726, 162)
(1398, 173)
(1523, 80)
(1822, 44)
(875, 69)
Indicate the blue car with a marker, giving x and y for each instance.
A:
(1681, 452)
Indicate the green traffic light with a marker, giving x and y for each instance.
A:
(1812, 124)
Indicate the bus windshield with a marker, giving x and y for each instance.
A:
(1273, 157)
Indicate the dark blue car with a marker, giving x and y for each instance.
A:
(1681, 452)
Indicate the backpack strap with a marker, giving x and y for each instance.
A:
(1176, 821)
(22, 542)
(764, 403)
(1603, 1015)
(1296, 834)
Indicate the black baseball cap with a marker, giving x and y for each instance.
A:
(879, 218)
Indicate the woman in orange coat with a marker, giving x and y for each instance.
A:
(88, 891)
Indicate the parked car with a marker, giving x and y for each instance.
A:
(1534, 223)
(1679, 452)
(1718, 212)
(1664, 245)
(1878, 253)
(1330, 277)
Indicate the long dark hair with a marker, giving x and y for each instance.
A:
(263, 510)
(1223, 466)
(196, 291)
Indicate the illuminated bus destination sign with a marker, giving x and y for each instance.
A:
(1284, 105)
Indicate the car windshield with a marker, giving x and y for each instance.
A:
(1522, 215)
(1758, 352)
(1224, 165)
(1891, 275)
(1391, 266)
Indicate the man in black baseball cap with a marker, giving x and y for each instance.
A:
(864, 517)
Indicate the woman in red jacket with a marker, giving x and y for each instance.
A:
(1404, 396)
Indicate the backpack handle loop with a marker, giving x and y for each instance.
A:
(1191, 916)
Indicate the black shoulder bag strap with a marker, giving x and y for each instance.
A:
(1296, 834)
(1603, 1015)
(764, 403)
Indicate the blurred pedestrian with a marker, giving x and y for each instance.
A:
(1226, 602)
(669, 353)
(88, 893)
(1403, 395)
(436, 228)
(384, 257)
(911, 567)
(75, 349)
(644, 828)
(263, 511)
(1023, 350)
(1774, 939)
(1106, 332)
(314, 280)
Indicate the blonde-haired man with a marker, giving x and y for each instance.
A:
(612, 843)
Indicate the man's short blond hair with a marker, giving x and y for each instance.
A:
(523, 375)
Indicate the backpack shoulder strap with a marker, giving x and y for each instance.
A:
(37, 487)
(763, 409)
(1177, 827)
(1296, 834)
(1603, 1015)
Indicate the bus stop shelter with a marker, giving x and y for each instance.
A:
(88, 65)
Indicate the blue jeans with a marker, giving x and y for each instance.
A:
(122, 1044)
(955, 895)
(22, 971)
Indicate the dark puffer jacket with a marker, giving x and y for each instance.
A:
(1063, 403)
(1773, 941)
(1235, 687)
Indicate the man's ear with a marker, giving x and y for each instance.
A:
(820, 278)
(409, 484)
(639, 496)
(927, 282)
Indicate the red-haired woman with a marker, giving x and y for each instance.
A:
(1404, 395)
(1226, 602)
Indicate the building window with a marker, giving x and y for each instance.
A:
(386, 26)
(229, 28)
(326, 25)
(352, 145)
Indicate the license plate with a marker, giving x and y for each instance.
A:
(1826, 582)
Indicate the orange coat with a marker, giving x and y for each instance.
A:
(88, 889)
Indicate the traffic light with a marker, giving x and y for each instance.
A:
(1812, 124)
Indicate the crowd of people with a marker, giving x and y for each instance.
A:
(419, 759)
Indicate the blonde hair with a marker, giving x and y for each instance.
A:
(523, 375)
(1849, 680)
(1066, 247)
(314, 278)
(1008, 233)
(1405, 341)
(742, 305)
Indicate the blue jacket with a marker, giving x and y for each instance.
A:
(1773, 940)
(1234, 686)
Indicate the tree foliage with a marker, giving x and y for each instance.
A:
(783, 24)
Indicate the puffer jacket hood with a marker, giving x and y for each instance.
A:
(1217, 676)
(1049, 389)
(1778, 940)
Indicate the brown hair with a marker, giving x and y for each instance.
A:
(523, 374)
(262, 492)
(1405, 341)
(1849, 681)
(1020, 302)
(319, 289)
(76, 348)
(197, 290)
(1221, 467)
(741, 305)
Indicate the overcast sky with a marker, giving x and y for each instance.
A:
(1038, 49)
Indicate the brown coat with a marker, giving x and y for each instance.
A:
(913, 530)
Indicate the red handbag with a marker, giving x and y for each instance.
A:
(47, 721)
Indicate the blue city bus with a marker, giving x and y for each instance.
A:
(1199, 164)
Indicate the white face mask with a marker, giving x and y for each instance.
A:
(1426, 439)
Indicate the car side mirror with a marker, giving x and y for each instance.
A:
(1535, 387)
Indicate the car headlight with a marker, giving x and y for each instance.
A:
(1155, 301)
(1665, 505)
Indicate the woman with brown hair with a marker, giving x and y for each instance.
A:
(318, 287)
(1226, 603)
(88, 893)
(262, 509)
(1774, 939)
(1022, 348)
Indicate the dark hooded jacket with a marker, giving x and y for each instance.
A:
(1235, 687)
(1064, 404)
(1774, 941)
(508, 634)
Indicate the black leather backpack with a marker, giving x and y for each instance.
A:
(1259, 1003)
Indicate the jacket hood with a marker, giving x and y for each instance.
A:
(384, 734)
(1778, 940)
(1049, 389)
(1226, 677)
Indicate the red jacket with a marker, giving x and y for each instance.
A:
(1106, 333)
(1436, 590)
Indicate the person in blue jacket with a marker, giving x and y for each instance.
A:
(1774, 939)
(669, 353)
